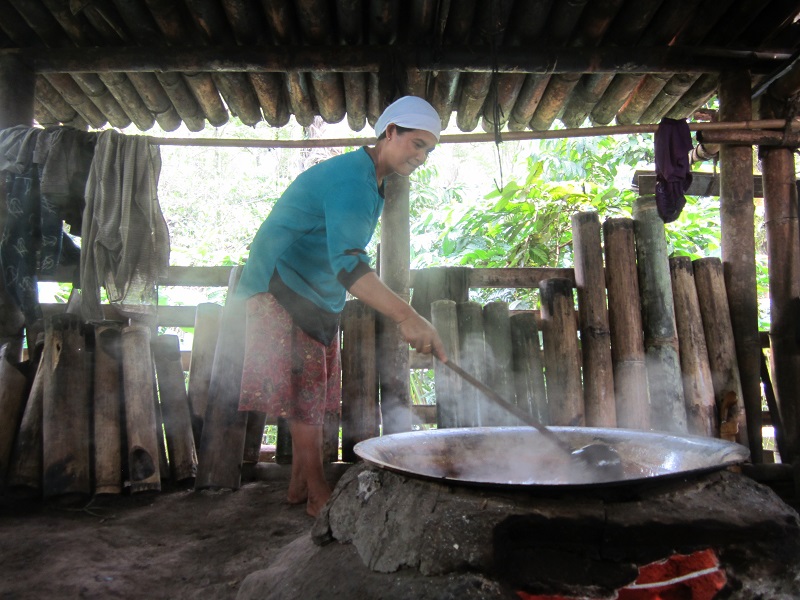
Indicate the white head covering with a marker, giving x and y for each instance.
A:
(411, 112)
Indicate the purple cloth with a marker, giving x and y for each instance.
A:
(673, 142)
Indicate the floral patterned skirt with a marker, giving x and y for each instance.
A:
(286, 372)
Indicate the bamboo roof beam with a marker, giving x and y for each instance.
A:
(133, 17)
(68, 88)
(626, 30)
(526, 24)
(761, 125)
(527, 101)
(350, 18)
(127, 98)
(235, 88)
(672, 91)
(422, 21)
(453, 28)
(316, 22)
(584, 98)
(695, 97)
(493, 18)
(54, 102)
(643, 96)
(156, 100)
(370, 59)
(282, 24)
(170, 25)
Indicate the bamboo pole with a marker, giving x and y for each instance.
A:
(718, 329)
(330, 437)
(787, 139)
(667, 408)
(221, 448)
(631, 390)
(141, 425)
(472, 351)
(17, 88)
(24, 476)
(783, 249)
(206, 333)
(108, 408)
(359, 377)
(590, 280)
(175, 407)
(561, 354)
(13, 386)
(66, 411)
(444, 316)
(499, 358)
(737, 219)
(528, 368)
(254, 436)
(471, 138)
(698, 388)
(393, 364)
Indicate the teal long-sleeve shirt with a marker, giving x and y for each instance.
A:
(316, 235)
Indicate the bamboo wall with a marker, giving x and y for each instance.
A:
(627, 338)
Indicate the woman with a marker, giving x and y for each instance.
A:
(308, 252)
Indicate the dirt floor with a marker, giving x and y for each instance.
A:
(174, 544)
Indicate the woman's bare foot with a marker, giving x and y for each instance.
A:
(298, 492)
(317, 498)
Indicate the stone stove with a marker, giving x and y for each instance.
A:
(580, 543)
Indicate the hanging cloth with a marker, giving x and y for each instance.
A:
(673, 143)
(125, 237)
(23, 220)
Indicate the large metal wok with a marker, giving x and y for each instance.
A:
(522, 456)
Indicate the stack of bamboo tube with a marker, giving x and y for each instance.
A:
(105, 409)
(649, 346)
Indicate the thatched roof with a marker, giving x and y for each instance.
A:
(523, 64)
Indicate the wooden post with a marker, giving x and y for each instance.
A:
(108, 407)
(142, 427)
(439, 283)
(17, 86)
(283, 442)
(359, 377)
(598, 371)
(783, 248)
(698, 389)
(393, 359)
(24, 476)
(499, 360)
(254, 436)
(561, 355)
(737, 220)
(175, 407)
(667, 408)
(330, 437)
(13, 386)
(631, 391)
(528, 369)
(222, 445)
(472, 350)
(710, 282)
(66, 411)
(206, 332)
(445, 318)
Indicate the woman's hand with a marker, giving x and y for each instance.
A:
(422, 336)
(416, 330)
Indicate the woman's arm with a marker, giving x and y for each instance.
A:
(415, 329)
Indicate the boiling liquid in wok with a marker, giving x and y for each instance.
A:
(522, 456)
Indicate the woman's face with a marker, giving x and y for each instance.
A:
(408, 150)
